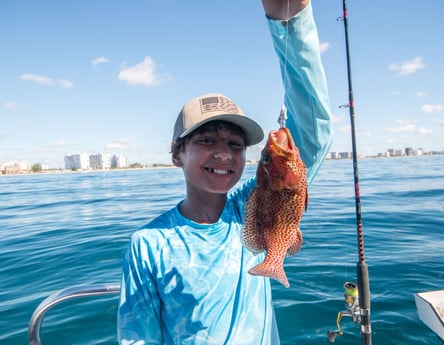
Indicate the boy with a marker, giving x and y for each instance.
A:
(185, 277)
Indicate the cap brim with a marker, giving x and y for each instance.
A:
(253, 132)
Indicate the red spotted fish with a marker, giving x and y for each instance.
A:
(274, 208)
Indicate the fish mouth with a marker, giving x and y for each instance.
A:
(282, 139)
(219, 171)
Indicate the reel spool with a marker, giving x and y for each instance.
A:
(351, 298)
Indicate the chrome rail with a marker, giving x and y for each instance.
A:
(63, 295)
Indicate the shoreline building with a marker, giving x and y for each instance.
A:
(77, 161)
(118, 161)
(11, 168)
(86, 161)
(100, 161)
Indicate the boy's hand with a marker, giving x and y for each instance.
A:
(283, 9)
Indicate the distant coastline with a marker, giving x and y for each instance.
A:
(171, 166)
(82, 171)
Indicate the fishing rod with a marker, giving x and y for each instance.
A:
(357, 298)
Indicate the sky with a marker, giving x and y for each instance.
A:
(112, 75)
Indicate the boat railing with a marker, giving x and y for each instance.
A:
(63, 295)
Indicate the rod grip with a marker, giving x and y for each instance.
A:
(364, 302)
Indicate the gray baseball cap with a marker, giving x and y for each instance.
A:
(215, 106)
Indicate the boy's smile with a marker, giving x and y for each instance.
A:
(219, 171)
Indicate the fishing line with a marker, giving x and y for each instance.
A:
(283, 114)
(286, 44)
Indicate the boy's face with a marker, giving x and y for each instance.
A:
(213, 158)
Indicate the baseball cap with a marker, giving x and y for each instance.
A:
(215, 106)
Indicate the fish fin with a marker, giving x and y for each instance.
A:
(306, 198)
(272, 271)
(250, 234)
(295, 244)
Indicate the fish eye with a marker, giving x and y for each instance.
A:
(266, 159)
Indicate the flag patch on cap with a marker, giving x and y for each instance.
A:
(216, 103)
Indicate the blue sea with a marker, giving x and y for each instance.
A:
(65, 229)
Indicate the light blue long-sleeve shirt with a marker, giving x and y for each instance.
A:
(188, 283)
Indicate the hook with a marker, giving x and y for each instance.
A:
(283, 116)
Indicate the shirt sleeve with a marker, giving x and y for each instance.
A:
(306, 95)
(138, 319)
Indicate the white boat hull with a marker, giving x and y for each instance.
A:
(430, 306)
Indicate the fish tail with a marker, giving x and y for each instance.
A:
(268, 270)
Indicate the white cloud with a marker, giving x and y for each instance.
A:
(123, 143)
(365, 134)
(10, 105)
(14, 106)
(66, 84)
(409, 127)
(337, 118)
(324, 46)
(402, 122)
(99, 60)
(404, 128)
(421, 94)
(423, 130)
(407, 67)
(60, 143)
(40, 79)
(432, 108)
(144, 73)
(344, 129)
(37, 78)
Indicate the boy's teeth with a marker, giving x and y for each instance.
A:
(218, 171)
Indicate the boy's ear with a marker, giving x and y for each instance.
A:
(175, 157)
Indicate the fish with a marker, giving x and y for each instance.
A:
(274, 209)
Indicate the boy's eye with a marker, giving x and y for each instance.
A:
(237, 144)
(206, 140)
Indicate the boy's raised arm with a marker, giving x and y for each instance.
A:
(306, 94)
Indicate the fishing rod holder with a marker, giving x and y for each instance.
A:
(351, 297)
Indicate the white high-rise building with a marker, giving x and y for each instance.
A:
(118, 161)
(77, 161)
(100, 161)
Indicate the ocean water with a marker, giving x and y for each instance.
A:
(60, 230)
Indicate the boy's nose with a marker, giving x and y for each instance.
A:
(222, 156)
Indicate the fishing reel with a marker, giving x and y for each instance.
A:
(351, 296)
